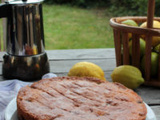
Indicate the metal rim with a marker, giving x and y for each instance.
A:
(20, 2)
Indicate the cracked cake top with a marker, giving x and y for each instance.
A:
(74, 98)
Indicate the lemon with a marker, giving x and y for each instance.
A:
(142, 47)
(155, 39)
(154, 63)
(127, 75)
(87, 69)
(129, 23)
(156, 24)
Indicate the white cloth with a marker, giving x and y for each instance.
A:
(9, 90)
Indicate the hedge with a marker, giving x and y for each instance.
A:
(116, 7)
(132, 7)
(81, 3)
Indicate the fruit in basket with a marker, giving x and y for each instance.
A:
(155, 39)
(154, 63)
(86, 69)
(142, 47)
(129, 23)
(156, 24)
(157, 48)
(127, 75)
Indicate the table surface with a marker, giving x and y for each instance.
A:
(62, 60)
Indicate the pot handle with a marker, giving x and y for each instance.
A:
(5, 10)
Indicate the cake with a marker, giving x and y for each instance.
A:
(74, 98)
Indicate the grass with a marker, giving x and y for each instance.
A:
(1, 35)
(68, 27)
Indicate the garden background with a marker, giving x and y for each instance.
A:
(79, 24)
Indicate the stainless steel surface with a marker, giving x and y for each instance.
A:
(25, 34)
(27, 68)
(21, 2)
(25, 58)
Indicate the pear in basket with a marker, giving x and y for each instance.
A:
(157, 48)
(142, 47)
(154, 64)
(129, 23)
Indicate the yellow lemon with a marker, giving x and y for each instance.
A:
(155, 39)
(129, 23)
(156, 24)
(87, 69)
(127, 75)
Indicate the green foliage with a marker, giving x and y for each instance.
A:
(115, 7)
(81, 3)
(157, 9)
(132, 7)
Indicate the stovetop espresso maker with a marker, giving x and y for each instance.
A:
(26, 58)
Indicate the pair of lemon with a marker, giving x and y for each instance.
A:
(127, 75)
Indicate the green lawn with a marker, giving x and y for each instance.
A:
(75, 28)
(68, 27)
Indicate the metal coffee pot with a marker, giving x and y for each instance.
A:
(26, 58)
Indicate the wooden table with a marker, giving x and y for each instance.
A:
(62, 60)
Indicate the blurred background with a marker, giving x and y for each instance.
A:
(80, 24)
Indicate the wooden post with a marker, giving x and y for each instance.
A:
(125, 42)
(117, 42)
(136, 50)
(150, 16)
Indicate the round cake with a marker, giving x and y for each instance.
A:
(74, 98)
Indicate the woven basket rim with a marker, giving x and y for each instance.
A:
(115, 23)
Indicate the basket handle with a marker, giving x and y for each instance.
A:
(150, 13)
(150, 16)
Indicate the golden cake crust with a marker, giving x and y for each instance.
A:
(74, 98)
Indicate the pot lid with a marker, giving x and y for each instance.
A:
(21, 2)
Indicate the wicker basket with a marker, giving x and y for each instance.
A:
(121, 41)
